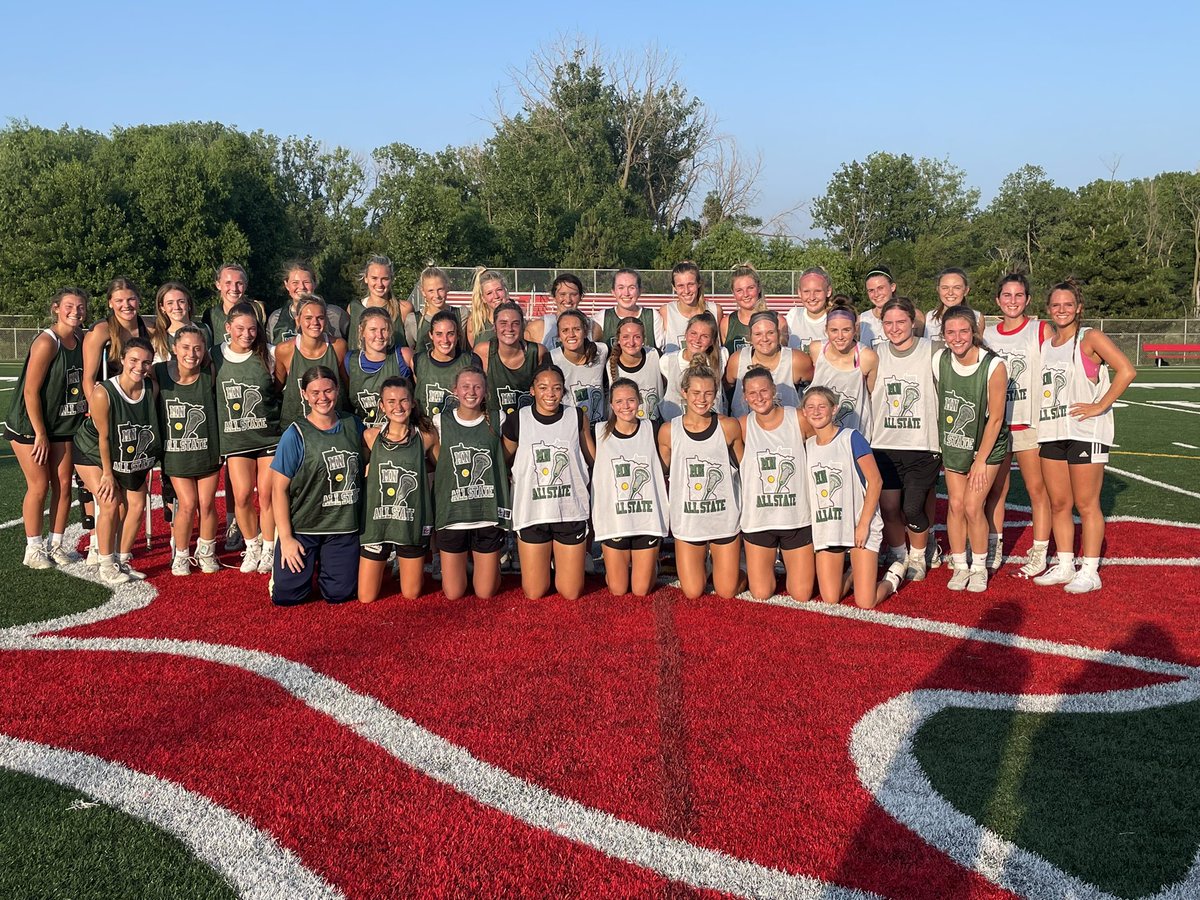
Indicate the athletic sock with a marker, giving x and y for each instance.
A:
(181, 554)
(1042, 546)
(110, 560)
(978, 564)
(1089, 564)
(1066, 560)
(56, 539)
(958, 560)
(202, 545)
(35, 541)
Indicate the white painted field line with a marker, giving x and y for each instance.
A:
(1185, 446)
(1160, 484)
(1160, 405)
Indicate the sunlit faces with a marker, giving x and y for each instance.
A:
(686, 288)
(434, 292)
(958, 334)
(177, 307)
(570, 333)
(231, 285)
(70, 310)
(242, 331)
(759, 393)
(509, 327)
(699, 337)
(469, 389)
(312, 320)
(898, 327)
(626, 291)
(376, 333)
(1012, 299)
(818, 410)
(764, 337)
(624, 403)
(1063, 308)
(746, 292)
(880, 289)
(631, 338)
(566, 296)
(396, 403)
(321, 395)
(815, 292)
(547, 392)
(494, 293)
(700, 394)
(378, 279)
(124, 304)
(952, 289)
(189, 351)
(444, 338)
(298, 283)
(136, 364)
(839, 331)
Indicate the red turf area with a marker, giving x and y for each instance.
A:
(724, 723)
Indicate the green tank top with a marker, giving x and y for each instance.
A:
(963, 414)
(435, 381)
(61, 394)
(134, 439)
(324, 494)
(294, 406)
(247, 405)
(737, 336)
(397, 508)
(188, 416)
(470, 484)
(355, 310)
(509, 388)
(284, 328)
(364, 388)
(611, 320)
(424, 345)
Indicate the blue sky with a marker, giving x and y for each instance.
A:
(1074, 87)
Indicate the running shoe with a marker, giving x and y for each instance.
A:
(1084, 582)
(1035, 564)
(36, 557)
(1060, 574)
(208, 561)
(251, 556)
(61, 556)
(112, 574)
(181, 565)
(961, 578)
(977, 582)
(233, 537)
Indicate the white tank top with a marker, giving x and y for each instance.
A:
(836, 494)
(933, 327)
(802, 330)
(649, 380)
(677, 324)
(1065, 382)
(550, 331)
(705, 492)
(785, 389)
(550, 479)
(629, 493)
(584, 385)
(672, 366)
(1021, 352)
(774, 496)
(870, 329)
(854, 403)
(904, 402)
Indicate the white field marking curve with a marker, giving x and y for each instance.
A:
(249, 859)
(439, 759)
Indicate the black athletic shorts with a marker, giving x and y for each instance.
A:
(780, 538)
(380, 552)
(718, 541)
(912, 470)
(637, 542)
(1074, 453)
(260, 453)
(488, 539)
(569, 533)
(27, 439)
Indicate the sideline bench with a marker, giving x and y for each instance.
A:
(1172, 351)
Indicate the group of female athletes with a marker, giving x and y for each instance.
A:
(421, 427)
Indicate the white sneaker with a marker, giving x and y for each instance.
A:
(933, 553)
(250, 557)
(266, 558)
(977, 582)
(36, 557)
(181, 565)
(1060, 574)
(233, 537)
(915, 567)
(111, 573)
(1034, 566)
(961, 578)
(129, 570)
(995, 557)
(208, 561)
(92, 560)
(1083, 583)
(61, 556)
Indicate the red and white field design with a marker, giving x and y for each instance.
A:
(599, 747)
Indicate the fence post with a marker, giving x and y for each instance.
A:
(1139, 349)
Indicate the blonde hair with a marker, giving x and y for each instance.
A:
(711, 359)
(747, 270)
(481, 316)
(390, 303)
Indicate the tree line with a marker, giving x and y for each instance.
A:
(607, 162)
